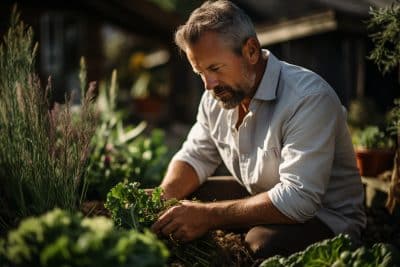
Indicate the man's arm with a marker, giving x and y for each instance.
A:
(180, 181)
(254, 210)
(192, 219)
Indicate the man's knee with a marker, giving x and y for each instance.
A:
(269, 240)
(263, 242)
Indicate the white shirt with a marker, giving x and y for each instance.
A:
(293, 143)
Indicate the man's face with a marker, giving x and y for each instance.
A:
(229, 76)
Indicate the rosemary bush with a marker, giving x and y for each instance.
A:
(384, 27)
(43, 147)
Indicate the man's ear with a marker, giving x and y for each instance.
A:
(251, 50)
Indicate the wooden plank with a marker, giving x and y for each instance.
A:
(375, 183)
(297, 28)
(373, 186)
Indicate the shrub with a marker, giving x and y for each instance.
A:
(60, 238)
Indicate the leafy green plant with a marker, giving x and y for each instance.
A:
(372, 138)
(132, 207)
(338, 252)
(60, 238)
(43, 147)
(121, 153)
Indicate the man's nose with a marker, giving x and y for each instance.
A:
(210, 81)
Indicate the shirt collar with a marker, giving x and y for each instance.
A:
(269, 82)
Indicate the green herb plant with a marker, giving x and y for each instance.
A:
(60, 238)
(43, 147)
(133, 207)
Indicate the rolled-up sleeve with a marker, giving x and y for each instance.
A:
(307, 156)
(199, 149)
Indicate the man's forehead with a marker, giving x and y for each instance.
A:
(203, 56)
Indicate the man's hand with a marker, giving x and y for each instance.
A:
(184, 222)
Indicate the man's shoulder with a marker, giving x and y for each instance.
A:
(302, 82)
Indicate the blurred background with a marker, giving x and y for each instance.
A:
(135, 37)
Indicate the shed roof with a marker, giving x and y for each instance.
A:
(274, 10)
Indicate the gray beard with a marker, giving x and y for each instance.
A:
(231, 102)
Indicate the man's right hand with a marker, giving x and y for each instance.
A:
(184, 222)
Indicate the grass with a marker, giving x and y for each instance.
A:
(43, 146)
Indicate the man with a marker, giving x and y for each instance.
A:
(281, 132)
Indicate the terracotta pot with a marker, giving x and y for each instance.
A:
(150, 109)
(372, 162)
(148, 105)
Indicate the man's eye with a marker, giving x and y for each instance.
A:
(214, 69)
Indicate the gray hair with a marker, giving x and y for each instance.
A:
(222, 17)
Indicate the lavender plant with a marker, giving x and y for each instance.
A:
(43, 147)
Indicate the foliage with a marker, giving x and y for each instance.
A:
(43, 147)
(121, 153)
(384, 25)
(60, 238)
(132, 207)
(371, 138)
(338, 252)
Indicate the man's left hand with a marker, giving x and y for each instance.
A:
(184, 222)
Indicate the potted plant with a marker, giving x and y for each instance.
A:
(374, 150)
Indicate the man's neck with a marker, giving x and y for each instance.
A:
(244, 104)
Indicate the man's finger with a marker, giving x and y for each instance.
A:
(170, 228)
(163, 220)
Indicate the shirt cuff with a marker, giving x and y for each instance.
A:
(291, 204)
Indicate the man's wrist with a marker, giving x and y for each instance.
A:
(221, 213)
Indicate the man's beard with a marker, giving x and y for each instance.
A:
(228, 97)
